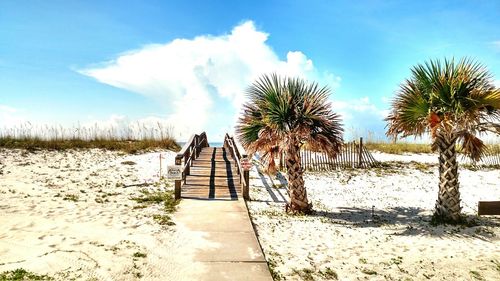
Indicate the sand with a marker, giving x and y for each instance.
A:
(374, 225)
(69, 215)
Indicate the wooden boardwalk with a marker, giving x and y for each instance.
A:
(213, 175)
(213, 186)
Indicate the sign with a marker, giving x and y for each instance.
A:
(246, 165)
(174, 172)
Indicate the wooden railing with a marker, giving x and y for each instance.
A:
(189, 152)
(238, 153)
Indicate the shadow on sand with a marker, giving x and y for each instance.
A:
(408, 221)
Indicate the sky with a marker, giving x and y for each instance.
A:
(187, 64)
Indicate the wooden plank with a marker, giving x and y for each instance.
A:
(349, 155)
(334, 160)
(353, 154)
(324, 156)
(488, 208)
(359, 155)
(341, 156)
(309, 160)
(346, 162)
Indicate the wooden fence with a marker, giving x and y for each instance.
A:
(490, 158)
(352, 155)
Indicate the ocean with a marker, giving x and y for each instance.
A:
(212, 144)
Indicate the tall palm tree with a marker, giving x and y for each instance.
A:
(280, 116)
(453, 102)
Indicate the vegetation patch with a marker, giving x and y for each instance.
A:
(156, 197)
(368, 271)
(329, 274)
(305, 274)
(476, 275)
(128, 146)
(71, 197)
(139, 255)
(22, 274)
(399, 148)
(163, 219)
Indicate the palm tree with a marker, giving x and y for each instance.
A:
(280, 116)
(453, 102)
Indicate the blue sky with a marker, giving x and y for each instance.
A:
(116, 62)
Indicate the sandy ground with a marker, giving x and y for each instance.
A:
(69, 215)
(374, 225)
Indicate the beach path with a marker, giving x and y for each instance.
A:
(224, 246)
(213, 175)
(212, 211)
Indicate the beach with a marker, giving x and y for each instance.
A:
(71, 215)
(375, 225)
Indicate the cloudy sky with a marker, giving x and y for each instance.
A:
(188, 63)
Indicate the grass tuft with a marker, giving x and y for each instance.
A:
(329, 274)
(305, 274)
(368, 271)
(156, 197)
(22, 274)
(71, 197)
(139, 255)
(163, 219)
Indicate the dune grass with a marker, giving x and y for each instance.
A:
(128, 139)
(404, 147)
(399, 148)
(128, 146)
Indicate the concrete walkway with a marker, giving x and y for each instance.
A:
(230, 250)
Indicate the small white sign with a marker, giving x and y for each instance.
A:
(246, 165)
(174, 172)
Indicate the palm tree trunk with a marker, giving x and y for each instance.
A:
(448, 203)
(298, 193)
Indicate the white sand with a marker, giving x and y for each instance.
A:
(397, 243)
(94, 238)
(90, 240)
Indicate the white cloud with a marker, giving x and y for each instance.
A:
(10, 117)
(360, 116)
(198, 79)
(497, 83)
(356, 106)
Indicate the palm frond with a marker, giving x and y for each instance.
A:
(280, 107)
(460, 93)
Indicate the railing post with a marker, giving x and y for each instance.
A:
(246, 186)
(360, 158)
(196, 141)
(186, 157)
(177, 191)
